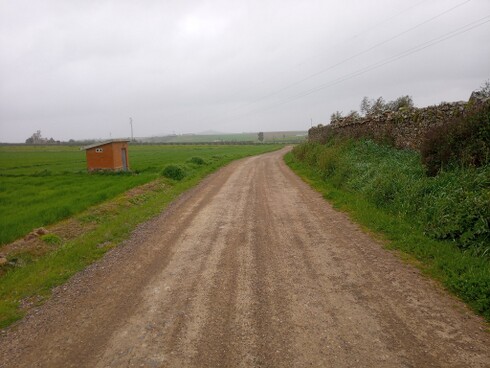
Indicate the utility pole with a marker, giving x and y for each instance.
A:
(311, 122)
(131, 123)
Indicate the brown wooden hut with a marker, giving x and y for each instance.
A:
(108, 155)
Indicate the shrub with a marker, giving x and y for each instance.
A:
(174, 172)
(463, 141)
(197, 160)
(307, 151)
(332, 163)
(460, 209)
(328, 162)
(384, 190)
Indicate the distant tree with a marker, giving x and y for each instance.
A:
(372, 107)
(378, 106)
(353, 114)
(337, 115)
(485, 88)
(365, 106)
(36, 138)
(402, 102)
(261, 136)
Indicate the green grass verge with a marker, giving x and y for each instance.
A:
(34, 280)
(464, 273)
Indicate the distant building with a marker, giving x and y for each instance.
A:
(109, 155)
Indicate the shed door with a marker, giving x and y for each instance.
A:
(124, 159)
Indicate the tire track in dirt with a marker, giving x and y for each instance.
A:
(249, 269)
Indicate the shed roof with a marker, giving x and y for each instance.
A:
(105, 142)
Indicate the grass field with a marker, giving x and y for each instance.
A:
(40, 185)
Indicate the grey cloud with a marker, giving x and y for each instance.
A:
(80, 69)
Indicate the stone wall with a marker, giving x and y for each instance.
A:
(405, 128)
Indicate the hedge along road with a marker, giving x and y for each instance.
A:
(251, 268)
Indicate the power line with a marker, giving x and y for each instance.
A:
(304, 61)
(376, 25)
(388, 19)
(420, 47)
(316, 74)
(401, 55)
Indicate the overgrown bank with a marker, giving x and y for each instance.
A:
(442, 221)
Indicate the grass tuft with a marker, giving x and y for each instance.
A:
(51, 239)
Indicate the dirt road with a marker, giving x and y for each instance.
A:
(249, 269)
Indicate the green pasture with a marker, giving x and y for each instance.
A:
(40, 185)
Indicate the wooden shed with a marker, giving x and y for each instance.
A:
(109, 155)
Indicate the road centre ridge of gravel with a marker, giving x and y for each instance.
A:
(251, 268)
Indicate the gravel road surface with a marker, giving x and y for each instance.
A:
(251, 268)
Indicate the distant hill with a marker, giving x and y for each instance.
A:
(212, 132)
(212, 136)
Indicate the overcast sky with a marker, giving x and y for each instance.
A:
(81, 69)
